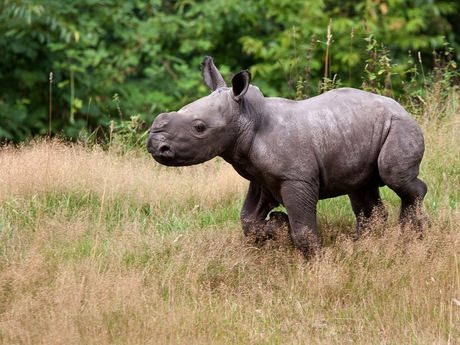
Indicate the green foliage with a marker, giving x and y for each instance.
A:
(130, 134)
(149, 52)
(445, 71)
(378, 68)
(329, 84)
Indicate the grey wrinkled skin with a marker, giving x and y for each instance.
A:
(345, 141)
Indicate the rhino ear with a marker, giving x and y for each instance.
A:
(211, 75)
(240, 84)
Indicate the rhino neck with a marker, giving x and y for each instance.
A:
(247, 125)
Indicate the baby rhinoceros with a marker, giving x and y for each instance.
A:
(345, 141)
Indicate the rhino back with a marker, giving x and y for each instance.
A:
(333, 139)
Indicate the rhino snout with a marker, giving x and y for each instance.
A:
(160, 150)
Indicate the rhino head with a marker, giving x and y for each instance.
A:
(202, 129)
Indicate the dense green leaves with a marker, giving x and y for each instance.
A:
(149, 52)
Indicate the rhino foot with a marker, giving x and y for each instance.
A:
(275, 227)
(419, 222)
(278, 225)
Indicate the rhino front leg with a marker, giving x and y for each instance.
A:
(300, 200)
(256, 207)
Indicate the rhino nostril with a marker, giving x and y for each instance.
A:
(166, 152)
(163, 148)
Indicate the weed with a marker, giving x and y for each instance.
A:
(130, 135)
(352, 34)
(445, 73)
(51, 100)
(329, 84)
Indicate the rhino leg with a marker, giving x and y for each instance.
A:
(300, 200)
(398, 166)
(411, 204)
(366, 202)
(256, 207)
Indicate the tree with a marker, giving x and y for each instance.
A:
(148, 52)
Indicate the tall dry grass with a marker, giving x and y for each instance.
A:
(64, 168)
(103, 248)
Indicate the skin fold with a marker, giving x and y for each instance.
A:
(294, 153)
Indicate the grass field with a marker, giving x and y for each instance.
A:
(98, 247)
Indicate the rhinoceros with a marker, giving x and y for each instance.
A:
(294, 153)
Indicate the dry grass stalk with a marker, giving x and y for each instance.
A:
(328, 42)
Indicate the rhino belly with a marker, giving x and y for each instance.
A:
(344, 173)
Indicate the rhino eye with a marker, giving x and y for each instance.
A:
(199, 128)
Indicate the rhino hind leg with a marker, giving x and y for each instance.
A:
(411, 204)
(398, 165)
(366, 202)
